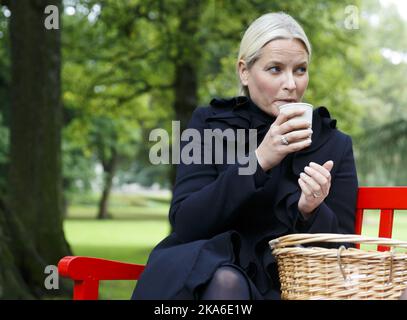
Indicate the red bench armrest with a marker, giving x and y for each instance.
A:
(87, 272)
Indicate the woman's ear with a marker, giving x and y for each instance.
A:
(243, 72)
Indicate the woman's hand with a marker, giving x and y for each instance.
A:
(315, 183)
(286, 135)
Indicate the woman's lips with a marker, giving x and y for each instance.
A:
(280, 102)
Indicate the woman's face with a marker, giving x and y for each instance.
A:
(279, 76)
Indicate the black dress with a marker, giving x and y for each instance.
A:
(220, 217)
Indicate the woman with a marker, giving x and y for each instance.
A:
(222, 220)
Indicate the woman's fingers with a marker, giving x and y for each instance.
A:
(285, 116)
(298, 135)
(304, 187)
(315, 183)
(328, 165)
(297, 146)
(314, 186)
(286, 135)
(324, 169)
(316, 175)
(293, 125)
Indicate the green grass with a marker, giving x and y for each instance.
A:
(138, 224)
(122, 207)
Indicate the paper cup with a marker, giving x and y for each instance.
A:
(299, 105)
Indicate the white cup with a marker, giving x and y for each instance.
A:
(307, 115)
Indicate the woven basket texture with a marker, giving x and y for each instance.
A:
(308, 273)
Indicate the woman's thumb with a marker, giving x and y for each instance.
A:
(328, 165)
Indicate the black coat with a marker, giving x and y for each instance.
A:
(219, 216)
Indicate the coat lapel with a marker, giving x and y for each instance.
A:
(235, 112)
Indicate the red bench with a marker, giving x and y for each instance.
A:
(87, 272)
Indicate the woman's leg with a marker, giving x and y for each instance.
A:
(227, 283)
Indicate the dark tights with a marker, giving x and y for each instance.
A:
(227, 283)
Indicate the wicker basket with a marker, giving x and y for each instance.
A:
(321, 273)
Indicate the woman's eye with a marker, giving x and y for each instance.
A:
(274, 69)
(302, 70)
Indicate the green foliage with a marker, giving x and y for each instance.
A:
(381, 151)
(379, 91)
(113, 74)
(78, 168)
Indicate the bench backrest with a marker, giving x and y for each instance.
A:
(385, 199)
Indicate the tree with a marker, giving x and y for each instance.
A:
(31, 219)
(110, 74)
(113, 141)
(380, 93)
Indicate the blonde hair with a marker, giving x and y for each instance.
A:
(268, 27)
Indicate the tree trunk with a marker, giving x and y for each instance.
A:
(186, 68)
(109, 170)
(32, 225)
(12, 283)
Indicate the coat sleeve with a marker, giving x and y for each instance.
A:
(337, 213)
(205, 202)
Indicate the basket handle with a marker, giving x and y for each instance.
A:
(303, 238)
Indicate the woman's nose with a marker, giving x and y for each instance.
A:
(289, 82)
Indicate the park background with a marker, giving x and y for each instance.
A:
(77, 104)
